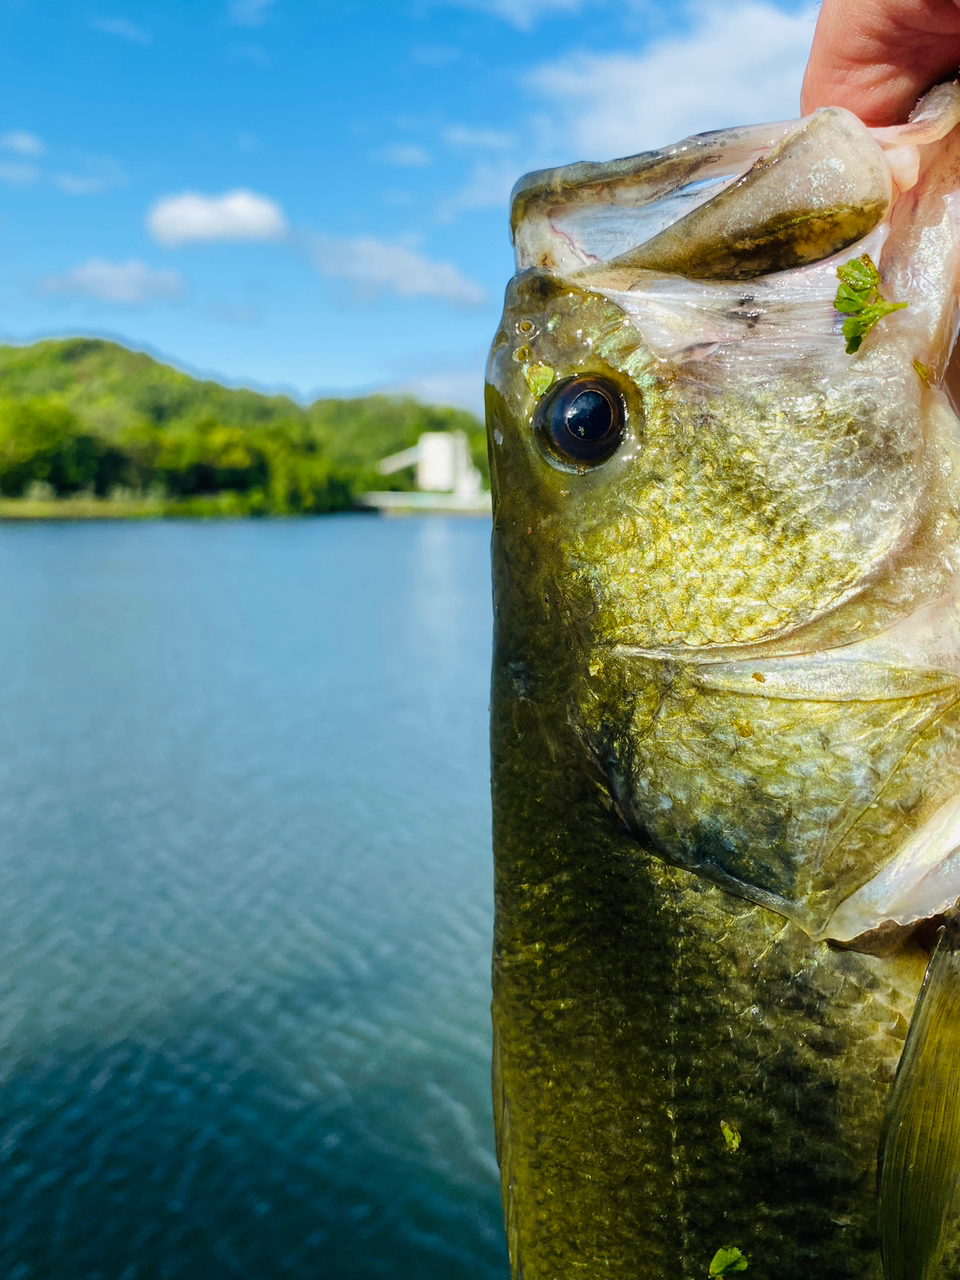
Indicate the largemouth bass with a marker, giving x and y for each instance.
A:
(726, 708)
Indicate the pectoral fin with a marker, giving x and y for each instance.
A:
(919, 1164)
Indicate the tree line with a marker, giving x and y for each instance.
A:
(87, 417)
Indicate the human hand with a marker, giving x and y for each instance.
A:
(877, 57)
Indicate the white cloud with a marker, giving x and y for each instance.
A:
(739, 64)
(521, 14)
(22, 142)
(481, 139)
(18, 175)
(408, 154)
(123, 28)
(236, 215)
(129, 284)
(376, 266)
(250, 13)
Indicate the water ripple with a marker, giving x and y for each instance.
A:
(245, 900)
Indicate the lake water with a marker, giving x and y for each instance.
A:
(245, 902)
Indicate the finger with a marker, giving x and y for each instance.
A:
(877, 57)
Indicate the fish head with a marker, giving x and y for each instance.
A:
(708, 503)
(721, 497)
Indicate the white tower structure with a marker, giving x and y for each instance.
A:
(443, 463)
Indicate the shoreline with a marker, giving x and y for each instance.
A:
(28, 510)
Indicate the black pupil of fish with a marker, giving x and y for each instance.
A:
(584, 423)
(589, 417)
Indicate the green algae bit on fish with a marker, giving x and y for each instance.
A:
(726, 1261)
(726, 708)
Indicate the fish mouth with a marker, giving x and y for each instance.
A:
(823, 786)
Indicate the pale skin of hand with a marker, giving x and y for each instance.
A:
(877, 57)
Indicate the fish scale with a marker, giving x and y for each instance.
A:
(644, 951)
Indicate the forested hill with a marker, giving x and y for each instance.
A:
(86, 416)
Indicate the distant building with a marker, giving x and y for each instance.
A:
(443, 463)
(447, 480)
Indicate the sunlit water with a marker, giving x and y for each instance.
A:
(245, 900)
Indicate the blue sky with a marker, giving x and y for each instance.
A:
(312, 196)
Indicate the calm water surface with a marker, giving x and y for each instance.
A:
(245, 899)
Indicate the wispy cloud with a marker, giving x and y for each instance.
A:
(18, 175)
(22, 142)
(250, 13)
(460, 387)
(375, 267)
(729, 66)
(123, 28)
(235, 215)
(409, 154)
(89, 175)
(488, 187)
(78, 184)
(477, 139)
(522, 14)
(127, 284)
(736, 64)
(370, 266)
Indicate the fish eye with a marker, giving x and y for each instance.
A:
(580, 422)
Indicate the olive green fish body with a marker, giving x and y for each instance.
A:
(726, 711)
(638, 1008)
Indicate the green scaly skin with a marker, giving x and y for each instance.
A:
(637, 1004)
